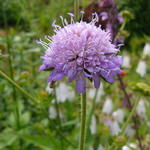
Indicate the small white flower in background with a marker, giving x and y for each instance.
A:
(141, 68)
(146, 51)
(91, 148)
(108, 106)
(64, 93)
(119, 115)
(113, 125)
(91, 93)
(125, 148)
(131, 146)
(100, 93)
(115, 128)
(17, 38)
(126, 61)
(100, 147)
(52, 112)
(93, 125)
(129, 130)
(141, 110)
(148, 123)
(48, 89)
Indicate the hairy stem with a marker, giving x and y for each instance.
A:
(83, 122)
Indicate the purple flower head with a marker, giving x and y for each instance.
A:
(120, 18)
(106, 3)
(81, 50)
(104, 16)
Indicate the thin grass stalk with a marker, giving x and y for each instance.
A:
(83, 122)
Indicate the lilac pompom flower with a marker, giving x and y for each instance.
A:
(81, 50)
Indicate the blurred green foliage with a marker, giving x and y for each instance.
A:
(140, 24)
(22, 22)
(12, 13)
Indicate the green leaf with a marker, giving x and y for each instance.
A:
(143, 129)
(7, 139)
(45, 142)
(143, 87)
(25, 118)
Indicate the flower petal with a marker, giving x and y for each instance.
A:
(96, 80)
(71, 75)
(81, 85)
(42, 67)
(55, 75)
(109, 75)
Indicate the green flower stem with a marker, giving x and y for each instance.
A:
(126, 123)
(83, 122)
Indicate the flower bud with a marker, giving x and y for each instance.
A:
(120, 140)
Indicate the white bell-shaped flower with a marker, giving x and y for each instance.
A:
(108, 106)
(118, 115)
(141, 110)
(146, 51)
(141, 68)
(126, 61)
(93, 125)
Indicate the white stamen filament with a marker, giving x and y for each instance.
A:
(44, 44)
(82, 13)
(71, 15)
(62, 20)
(66, 22)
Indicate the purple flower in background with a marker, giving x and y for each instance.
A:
(81, 50)
(109, 17)
(106, 3)
(104, 16)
